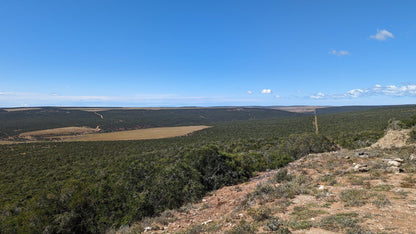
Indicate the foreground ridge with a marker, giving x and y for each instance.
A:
(367, 190)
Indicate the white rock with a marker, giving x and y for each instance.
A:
(393, 169)
(398, 160)
(321, 187)
(204, 200)
(394, 163)
(207, 222)
(146, 229)
(412, 157)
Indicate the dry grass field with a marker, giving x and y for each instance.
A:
(140, 134)
(21, 109)
(299, 109)
(59, 132)
(97, 109)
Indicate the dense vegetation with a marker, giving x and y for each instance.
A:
(88, 187)
(15, 122)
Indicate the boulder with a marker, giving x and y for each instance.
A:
(393, 169)
(393, 163)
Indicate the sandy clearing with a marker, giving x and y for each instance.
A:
(299, 109)
(21, 109)
(140, 134)
(98, 109)
(60, 131)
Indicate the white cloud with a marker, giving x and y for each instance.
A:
(408, 90)
(277, 96)
(382, 35)
(250, 92)
(318, 96)
(266, 91)
(393, 90)
(343, 52)
(355, 92)
(18, 99)
(338, 53)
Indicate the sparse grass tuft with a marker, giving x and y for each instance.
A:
(199, 228)
(355, 197)
(330, 180)
(260, 213)
(382, 187)
(381, 201)
(347, 222)
(275, 225)
(303, 213)
(243, 227)
(299, 225)
(408, 181)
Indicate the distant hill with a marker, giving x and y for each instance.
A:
(16, 121)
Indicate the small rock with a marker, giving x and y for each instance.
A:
(398, 160)
(412, 157)
(312, 219)
(362, 154)
(146, 229)
(204, 200)
(347, 157)
(393, 169)
(207, 222)
(321, 187)
(393, 163)
(361, 167)
(240, 215)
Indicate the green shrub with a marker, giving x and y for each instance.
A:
(259, 214)
(282, 176)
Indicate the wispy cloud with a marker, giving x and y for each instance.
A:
(338, 52)
(266, 91)
(382, 35)
(408, 90)
(318, 96)
(250, 92)
(17, 99)
(355, 93)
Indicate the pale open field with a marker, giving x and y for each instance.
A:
(21, 109)
(140, 134)
(299, 109)
(60, 131)
(97, 109)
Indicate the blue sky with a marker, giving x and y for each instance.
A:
(207, 53)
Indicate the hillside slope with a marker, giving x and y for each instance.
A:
(348, 191)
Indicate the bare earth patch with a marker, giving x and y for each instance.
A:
(59, 132)
(21, 109)
(140, 134)
(299, 109)
(393, 138)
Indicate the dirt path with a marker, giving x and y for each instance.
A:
(100, 115)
